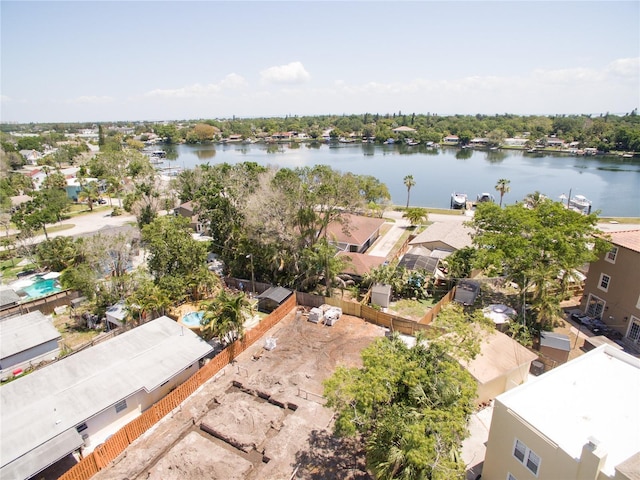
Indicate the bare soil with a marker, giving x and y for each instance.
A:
(263, 417)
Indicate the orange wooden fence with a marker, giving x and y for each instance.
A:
(118, 442)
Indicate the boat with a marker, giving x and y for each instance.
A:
(458, 200)
(485, 197)
(581, 204)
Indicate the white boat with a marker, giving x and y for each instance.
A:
(580, 203)
(458, 200)
(485, 197)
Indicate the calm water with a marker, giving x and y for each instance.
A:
(611, 183)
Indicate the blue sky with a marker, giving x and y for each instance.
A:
(161, 60)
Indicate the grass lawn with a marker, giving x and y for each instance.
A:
(414, 309)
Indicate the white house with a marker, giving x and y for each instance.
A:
(27, 340)
(578, 421)
(77, 402)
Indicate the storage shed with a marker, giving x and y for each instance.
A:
(380, 295)
(272, 298)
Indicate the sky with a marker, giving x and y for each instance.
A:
(87, 61)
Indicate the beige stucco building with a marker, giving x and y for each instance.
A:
(578, 421)
(612, 288)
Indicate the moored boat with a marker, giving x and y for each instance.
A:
(485, 197)
(580, 203)
(458, 200)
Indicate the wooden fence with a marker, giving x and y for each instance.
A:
(118, 442)
(435, 310)
(45, 304)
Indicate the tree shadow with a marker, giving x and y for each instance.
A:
(327, 457)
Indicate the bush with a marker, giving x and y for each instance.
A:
(117, 211)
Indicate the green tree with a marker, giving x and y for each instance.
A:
(409, 182)
(416, 215)
(503, 187)
(410, 405)
(58, 253)
(89, 193)
(224, 317)
(173, 254)
(534, 247)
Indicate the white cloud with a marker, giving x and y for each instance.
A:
(91, 99)
(293, 72)
(231, 81)
(625, 67)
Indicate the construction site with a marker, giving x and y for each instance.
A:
(262, 416)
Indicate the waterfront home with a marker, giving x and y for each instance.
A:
(580, 420)
(404, 129)
(75, 404)
(612, 286)
(445, 236)
(451, 140)
(355, 234)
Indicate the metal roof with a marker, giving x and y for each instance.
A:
(555, 340)
(277, 294)
(38, 407)
(23, 332)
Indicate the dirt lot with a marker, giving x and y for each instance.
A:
(262, 417)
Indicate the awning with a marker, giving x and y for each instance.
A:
(51, 275)
(42, 456)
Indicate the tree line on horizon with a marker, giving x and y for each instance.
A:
(606, 132)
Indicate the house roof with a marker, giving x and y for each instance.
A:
(360, 229)
(499, 355)
(8, 297)
(404, 129)
(453, 234)
(20, 199)
(360, 263)
(466, 292)
(39, 407)
(627, 238)
(277, 294)
(595, 395)
(23, 332)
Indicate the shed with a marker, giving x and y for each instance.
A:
(380, 295)
(556, 346)
(466, 292)
(272, 298)
(8, 298)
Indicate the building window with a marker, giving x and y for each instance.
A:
(611, 255)
(604, 282)
(511, 477)
(634, 330)
(82, 427)
(527, 457)
(121, 405)
(595, 307)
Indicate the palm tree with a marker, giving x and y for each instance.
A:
(89, 193)
(409, 182)
(503, 187)
(224, 317)
(416, 215)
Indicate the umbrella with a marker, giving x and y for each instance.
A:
(499, 313)
(51, 275)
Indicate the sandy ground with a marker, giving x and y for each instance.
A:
(262, 417)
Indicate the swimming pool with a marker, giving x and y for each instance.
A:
(192, 319)
(41, 288)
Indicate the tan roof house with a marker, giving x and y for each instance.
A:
(356, 234)
(404, 129)
(612, 287)
(187, 210)
(444, 236)
(501, 365)
(578, 421)
(359, 264)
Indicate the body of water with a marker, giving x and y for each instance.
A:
(611, 183)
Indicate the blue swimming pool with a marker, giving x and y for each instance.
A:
(41, 288)
(192, 319)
